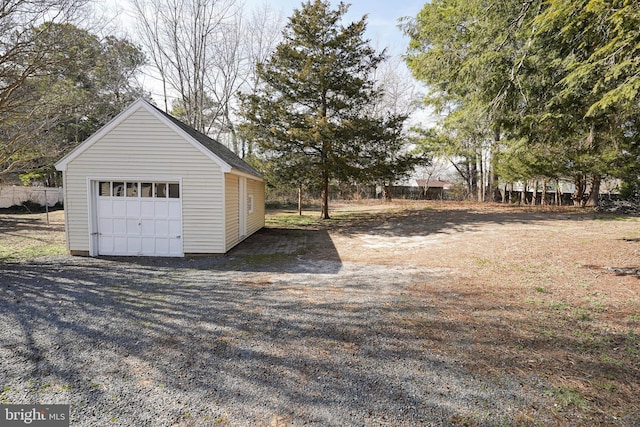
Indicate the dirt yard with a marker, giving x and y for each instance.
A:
(552, 292)
(524, 292)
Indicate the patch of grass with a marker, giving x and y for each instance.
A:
(4, 394)
(597, 306)
(294, 220)
(483, 262)
(222, 419)
(611, 218)
(568, 396)
(541, 289)
(608, 359)
(25, 249)
(633, 338)
(585, 285)
(353, 216)
(587, 339)
(559, 305)
(581, 314)
(607, 386)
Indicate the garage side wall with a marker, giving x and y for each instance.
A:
(142, 147)
(232, 215)
(254, 211)
(255, 219)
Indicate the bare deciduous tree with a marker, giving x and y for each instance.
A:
(180, 37)
(205, 53)
(401, 92)
(25, 47)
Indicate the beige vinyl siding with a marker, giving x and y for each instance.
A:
(255, 220)
(232, 236)
(140, 147)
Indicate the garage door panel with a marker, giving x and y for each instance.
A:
(120, 244)
(148, 245)
(162, 227)
(105, 206)
(175, 210)
(162, 245)
(133, 208)
(175, 245)
(148, 227)
(119, 207)
(106, 244)
(175, 228)
(134, 245)
(134, 225)
(105, 225)
(147, 208)
(119, 226)
(161, 210)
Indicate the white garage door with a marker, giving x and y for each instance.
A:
(139, 218)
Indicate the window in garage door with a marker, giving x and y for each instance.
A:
(139, 218)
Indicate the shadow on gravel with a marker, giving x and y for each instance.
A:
(136, 344)
(269, 250)
(292, 335)
(16, 224)
(424, 222)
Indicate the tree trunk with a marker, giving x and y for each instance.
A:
(324, 209)
(473, 180)
(578, 194)
(534, 193)
(494, 179)
(543, 200)
(480, 179)
(523, 194)
(388, 194)
(594, 195)
(300, 200)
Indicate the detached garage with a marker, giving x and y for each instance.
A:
(146, 184)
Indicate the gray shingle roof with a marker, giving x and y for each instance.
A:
(212, 145)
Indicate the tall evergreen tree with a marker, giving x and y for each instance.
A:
(468, 53)
(557, 80)
(309, 117)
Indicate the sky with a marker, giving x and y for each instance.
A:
(382, 23)
(382, 17)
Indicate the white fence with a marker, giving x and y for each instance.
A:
(15, 195)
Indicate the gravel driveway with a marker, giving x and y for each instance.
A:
(238, 341)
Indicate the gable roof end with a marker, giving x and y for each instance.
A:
(212, 145)
(217, 152)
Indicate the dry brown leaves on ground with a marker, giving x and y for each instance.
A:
(550, 292)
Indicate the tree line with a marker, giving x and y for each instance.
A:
(58, 84)
(532, 91)
(307, 101)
